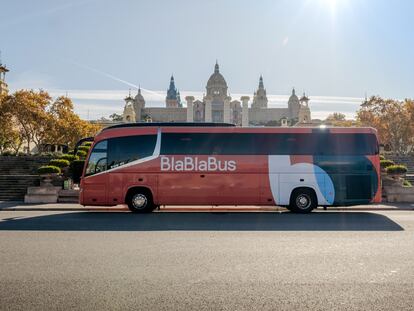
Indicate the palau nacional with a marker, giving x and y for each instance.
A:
(217, 106)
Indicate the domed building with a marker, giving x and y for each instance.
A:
(217, 106)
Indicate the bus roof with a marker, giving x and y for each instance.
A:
(152, 128)
(172, 124)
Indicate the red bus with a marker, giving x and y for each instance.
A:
(148, 165)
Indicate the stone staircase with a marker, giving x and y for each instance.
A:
(17, 174)
(408, 161)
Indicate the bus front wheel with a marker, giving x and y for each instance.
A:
(303, 200)
(140, 201)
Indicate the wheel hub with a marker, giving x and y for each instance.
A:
(139, 201)
(303, 201)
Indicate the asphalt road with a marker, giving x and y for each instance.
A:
(207, 261)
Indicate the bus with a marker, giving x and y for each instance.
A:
(148, 165)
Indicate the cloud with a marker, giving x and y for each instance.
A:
(285, 41)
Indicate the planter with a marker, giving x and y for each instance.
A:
(399, 194)
(396, 176)
(46, 179)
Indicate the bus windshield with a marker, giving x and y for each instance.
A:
(98, 159)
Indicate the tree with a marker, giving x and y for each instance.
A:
(69, 128)
(336, 116)
(10, 137)
(393, 120)
(28, 110)
(32, 117)
(116, 117)
(339, 119)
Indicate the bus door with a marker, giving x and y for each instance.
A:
(95, 183)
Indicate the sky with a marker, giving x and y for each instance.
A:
(337, 51)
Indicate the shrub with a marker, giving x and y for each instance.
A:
(59, 163)
(386, 163)
(47, 154)
(81, 154)
(396, 169)
(406, 183)
(87, 144)
(382, 157)
(76, 169)
(84, 148)
(8, 153)
(51, 154)
(69, 157)
(48, 169)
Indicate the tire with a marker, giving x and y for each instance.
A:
(140, 201)
(303, 200)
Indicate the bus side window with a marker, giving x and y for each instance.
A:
(123, 150)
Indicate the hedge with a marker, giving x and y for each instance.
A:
(382, 157)
(396, 169)
(69, 157)
(84, 148)
(59, 163)
(76, 169)
(87, 144)
(48, 169)
(385, 163)
(81, 154)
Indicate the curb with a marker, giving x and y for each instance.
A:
(195, 210)
(16, 209)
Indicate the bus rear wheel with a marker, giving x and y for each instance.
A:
(140, 201)
(303, 200)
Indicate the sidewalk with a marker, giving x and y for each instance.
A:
(21, 206)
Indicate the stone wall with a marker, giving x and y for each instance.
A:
(161, 114)
(258, 115)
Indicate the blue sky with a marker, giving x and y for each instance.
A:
(334, 50)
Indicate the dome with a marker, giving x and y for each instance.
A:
(293, 97)
(216, 79)
(139, 97)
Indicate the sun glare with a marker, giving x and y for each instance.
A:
(333, 5)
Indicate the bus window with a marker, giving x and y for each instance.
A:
(122, 150)
(97, 160)
(322, 144)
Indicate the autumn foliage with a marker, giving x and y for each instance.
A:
(29, 116)
(394, 121)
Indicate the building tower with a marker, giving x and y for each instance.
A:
(139, 104)
(4, 89)
(293, 105)
(260, 97)
(129, 112)
(173, 99)
(304, 111)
